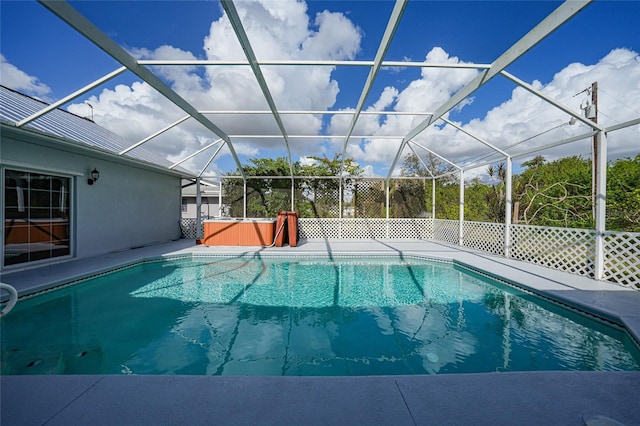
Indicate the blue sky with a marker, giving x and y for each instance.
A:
(58, 61)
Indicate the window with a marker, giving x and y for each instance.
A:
(185, 205)
(36, 216)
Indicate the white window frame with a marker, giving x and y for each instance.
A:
(72, 176)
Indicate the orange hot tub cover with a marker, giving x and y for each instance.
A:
(287, 225)
(238, 232)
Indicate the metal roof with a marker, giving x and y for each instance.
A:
(15, 107)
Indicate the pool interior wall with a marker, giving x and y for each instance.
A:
(496, 398)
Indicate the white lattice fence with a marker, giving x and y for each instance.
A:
(570, 250)
(363, 228)
(410, 228)
(311, 228)
(368, 199)
(484, 236)
(622, 258)
(188, 228)
(446, 230)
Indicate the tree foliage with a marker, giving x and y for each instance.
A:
(408, 197)
(556, 193)
(447, 189)
(559, 193)
(322, 196)
(268, 193)
(623, 195)
(546, 193)
(266, 196)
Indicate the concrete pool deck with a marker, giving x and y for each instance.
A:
(488, 398)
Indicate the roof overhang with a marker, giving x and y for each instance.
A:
(29, 135)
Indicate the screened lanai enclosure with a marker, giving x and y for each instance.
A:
(365, 139)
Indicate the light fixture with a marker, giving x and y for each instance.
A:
(95, 174)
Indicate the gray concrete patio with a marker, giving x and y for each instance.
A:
(547, 398)
(524, 398)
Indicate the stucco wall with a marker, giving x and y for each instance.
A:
(128, 206)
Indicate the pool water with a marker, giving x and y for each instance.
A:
(301, 317)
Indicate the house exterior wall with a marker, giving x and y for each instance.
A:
(130, 205)
(209, 207)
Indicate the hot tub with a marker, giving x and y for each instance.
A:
(239, 232)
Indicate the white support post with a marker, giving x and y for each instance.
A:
(433, 207)
(340, 199)
(461, 210)
(433, 199)
(340, 209)
(220, 199)
(386, 189)
(292, 193)
(601, 203)
(198, 214)
(507, 209)
(244, 202)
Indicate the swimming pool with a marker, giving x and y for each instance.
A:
(253, 315)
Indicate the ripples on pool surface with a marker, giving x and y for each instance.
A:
(301, 317)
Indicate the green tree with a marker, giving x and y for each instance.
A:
(408, 197)
(322, 195)
(476, 194)
(266, 196)
(556, 193)
(547, 193)
(496, 196)
(447, 186)
(623, 195)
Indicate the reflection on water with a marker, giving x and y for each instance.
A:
(253, 316)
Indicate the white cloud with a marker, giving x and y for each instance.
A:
(284, 30)
(524, 115)
(434, 87)
(367, 171)
(307, 161)
(16, 79)
(397, 69)
(520, 117)
(277, 30)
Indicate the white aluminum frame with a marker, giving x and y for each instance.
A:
(552, 22)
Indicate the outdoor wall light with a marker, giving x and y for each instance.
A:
(95, 174)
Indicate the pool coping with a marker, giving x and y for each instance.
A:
(525, 397)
